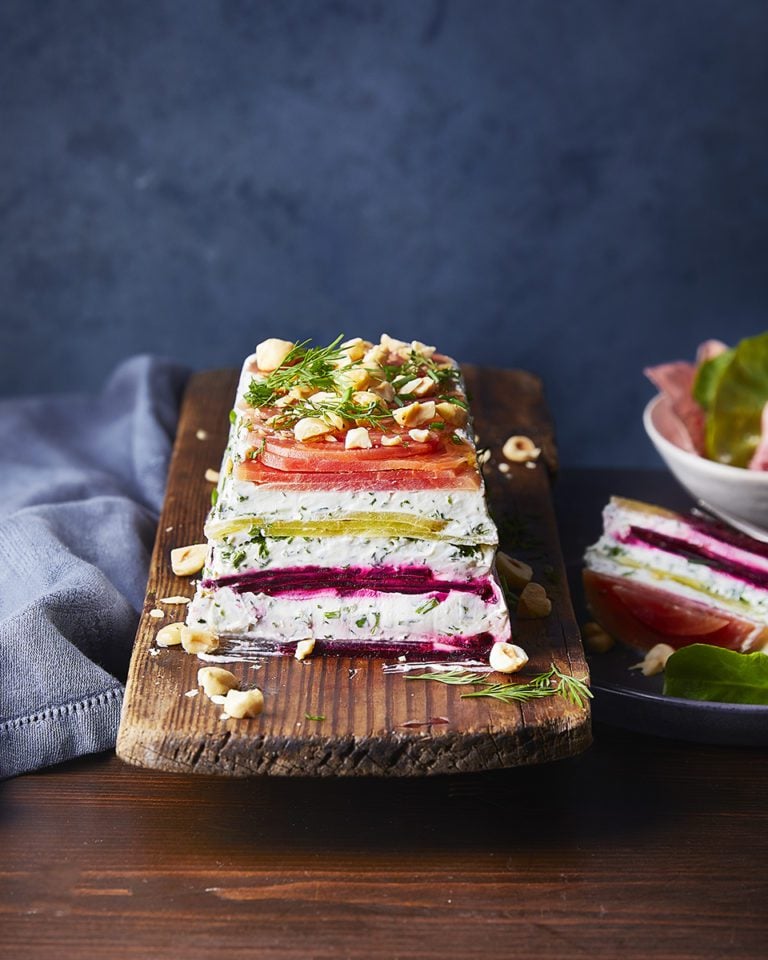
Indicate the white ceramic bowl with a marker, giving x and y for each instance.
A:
(734, 490)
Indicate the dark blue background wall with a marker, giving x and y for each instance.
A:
(578, 188)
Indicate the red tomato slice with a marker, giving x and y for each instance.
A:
(313, 461)
(642, 616)
(683, 618)
(294, 450)
(256, 472)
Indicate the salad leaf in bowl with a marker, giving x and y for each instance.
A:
(709, 424)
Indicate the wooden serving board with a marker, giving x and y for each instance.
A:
(374, 723)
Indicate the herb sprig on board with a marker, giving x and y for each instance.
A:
(551, 683)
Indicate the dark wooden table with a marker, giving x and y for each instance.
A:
(640, 847)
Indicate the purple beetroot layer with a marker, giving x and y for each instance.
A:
(446, 648)
(351, 581)
(697, 552)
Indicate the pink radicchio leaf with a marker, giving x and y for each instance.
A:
(709, 350)
(675, 381)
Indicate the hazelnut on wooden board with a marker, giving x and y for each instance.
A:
(515, 573)
(520, 449)
(198, 640)
(186, 561)
(507, 657)
(243, 704)
(534, 602)
(304, 649)
(216, 681)
(169, 635)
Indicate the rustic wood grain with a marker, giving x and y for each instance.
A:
(374, 723)
(640, 849)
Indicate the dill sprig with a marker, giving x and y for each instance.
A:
(416, 364)
(551, 683)
(371, 414)
(304, 366)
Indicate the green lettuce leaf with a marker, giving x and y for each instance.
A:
(736, 394)
(708, 377)
(704, 672)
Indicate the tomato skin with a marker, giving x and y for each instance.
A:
(352, 464)
(641, 616)
(297, 450)
(254, 471)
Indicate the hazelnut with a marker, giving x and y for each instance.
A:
(520, 449)
(188, 560)
(534, 602)
(357, 439)
(271, 353)
(309, 428)
(507, 657)
(216, 681)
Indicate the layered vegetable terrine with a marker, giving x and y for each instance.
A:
(350, 513)
(656, 576)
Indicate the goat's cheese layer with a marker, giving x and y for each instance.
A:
(372, 617)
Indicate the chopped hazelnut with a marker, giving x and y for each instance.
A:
(596, 640)
(418, 387)
(534, 602)
(655, 660)
(304, 649)
(216, 681)
(198, 640)
(452, 413)
(358, 439)
(520, 449)
(507, 657)
(271, 353)
(244, 703)
(169, 635)
(415, 414)
(188, 560)
(515, 573)
(309, 428)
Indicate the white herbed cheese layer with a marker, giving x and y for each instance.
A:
(463, 513)
(241, 552)
(378, 617)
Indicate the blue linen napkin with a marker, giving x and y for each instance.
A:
(81, 484)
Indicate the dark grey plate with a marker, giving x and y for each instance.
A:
(625, 698)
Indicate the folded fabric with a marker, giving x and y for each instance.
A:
(81, 485)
